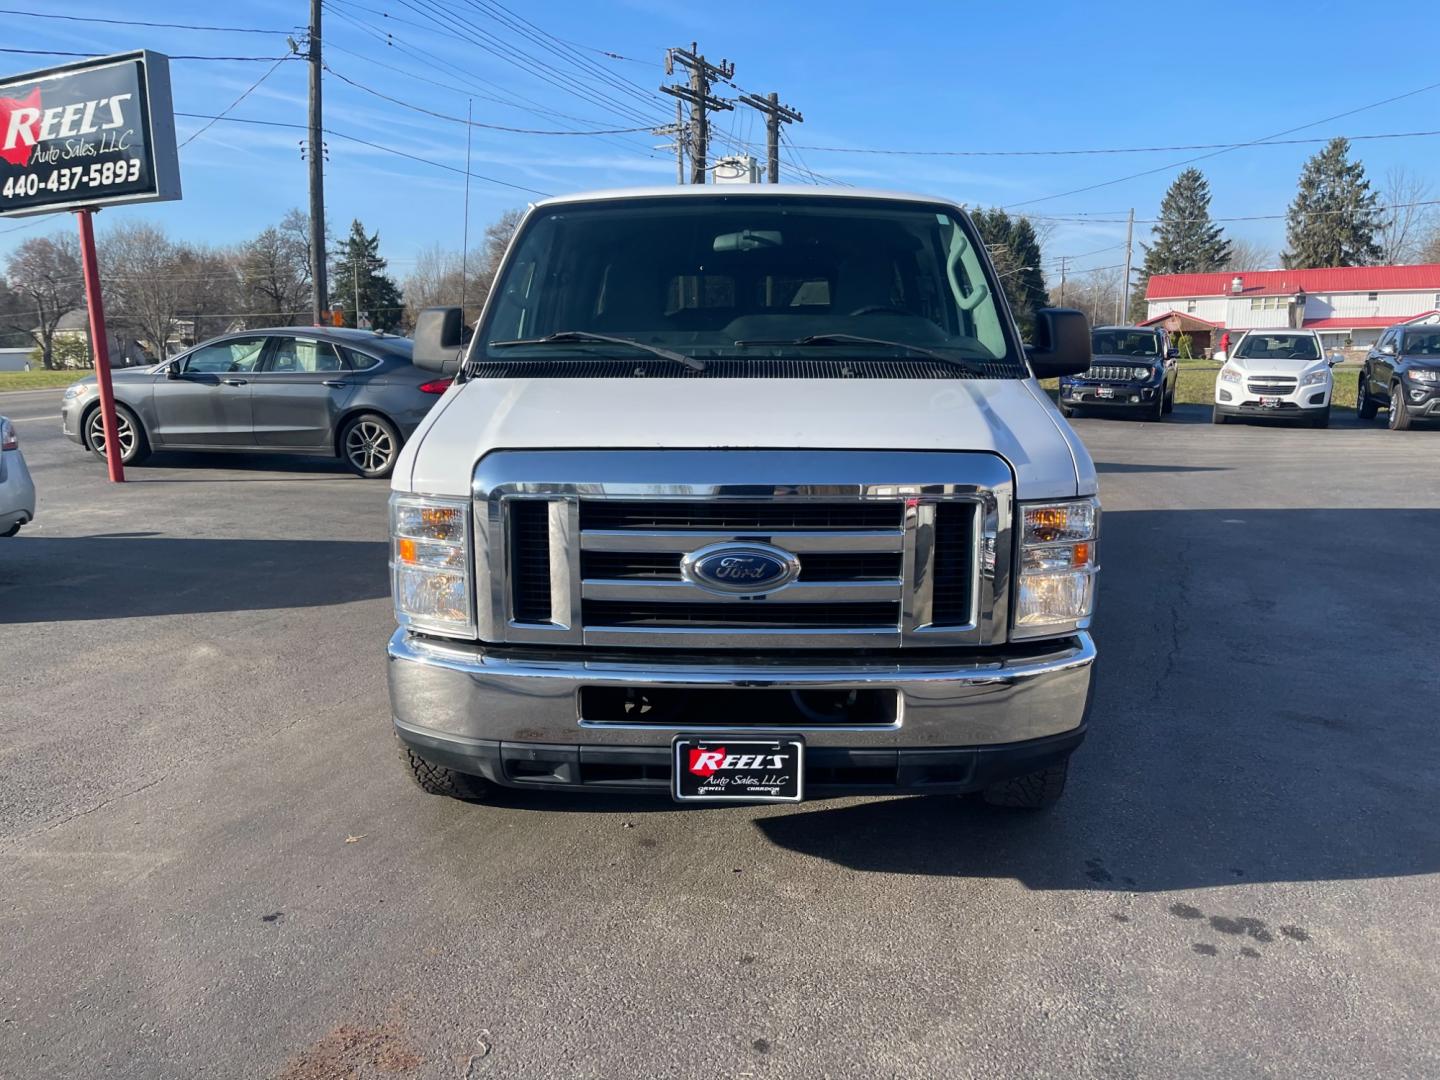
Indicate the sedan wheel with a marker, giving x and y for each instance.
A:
(370, 446)
(133, 446)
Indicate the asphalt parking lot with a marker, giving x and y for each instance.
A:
(212, 865)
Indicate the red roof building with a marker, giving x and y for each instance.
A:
(1349, 305)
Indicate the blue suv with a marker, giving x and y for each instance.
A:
(1133, 369)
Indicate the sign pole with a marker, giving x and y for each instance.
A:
(100, 344)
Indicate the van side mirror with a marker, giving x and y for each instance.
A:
(439, 339)
(1062, 343)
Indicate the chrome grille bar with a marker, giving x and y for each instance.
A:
(685, 540)
(799, 592)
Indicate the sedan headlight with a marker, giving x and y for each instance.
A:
(430, 561)
(1425, 375)
(73, 391)
(1057, 566)
(1316, 377)
(1230, 374)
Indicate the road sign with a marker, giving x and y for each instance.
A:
(96, 133)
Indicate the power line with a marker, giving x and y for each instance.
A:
(474, 123)
(1226, 150)
(430, 59)
(1245, 217)
(226, 111)
(93, 56)
(1107, 150)
(366, 142)
(136, 22)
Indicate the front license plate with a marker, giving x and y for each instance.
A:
(1269, 402)
(1105, 391)
(739, 770)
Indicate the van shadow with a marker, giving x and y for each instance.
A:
(50, 579)
(1246, 725)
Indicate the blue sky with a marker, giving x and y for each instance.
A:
(932, 76)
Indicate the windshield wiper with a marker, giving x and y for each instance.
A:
(560, 337)
(857, 339)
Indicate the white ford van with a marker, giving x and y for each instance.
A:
(745, 494)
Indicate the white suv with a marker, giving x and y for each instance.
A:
(1276, 373)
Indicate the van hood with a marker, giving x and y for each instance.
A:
(1010, 417)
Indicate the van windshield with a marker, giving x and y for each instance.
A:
(748, 278)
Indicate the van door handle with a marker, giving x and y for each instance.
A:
(233, 382)
(336, 382)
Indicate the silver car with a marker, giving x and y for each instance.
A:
(296, 390)
(17, 490)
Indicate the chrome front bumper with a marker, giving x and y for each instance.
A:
(456, 694)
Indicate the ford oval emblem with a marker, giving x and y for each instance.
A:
(746, 568)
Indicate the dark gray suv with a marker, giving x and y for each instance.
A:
(295, 390)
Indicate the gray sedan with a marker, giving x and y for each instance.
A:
(298, 390)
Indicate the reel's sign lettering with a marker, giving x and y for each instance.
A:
(96, 133)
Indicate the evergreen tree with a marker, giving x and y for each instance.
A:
(359, 270)
(1186, 240)
(1334, 218)
(1015, 250)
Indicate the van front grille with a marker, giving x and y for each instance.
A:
(893, 548)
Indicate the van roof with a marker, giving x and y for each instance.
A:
(695, 191)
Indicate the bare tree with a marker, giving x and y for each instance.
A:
(435, 280)
(1097, 293)
(1249, 255)
(274, 277)
(1404, 225)
(138, 273)
(44, 274)
(436, 277)
(1430, 248)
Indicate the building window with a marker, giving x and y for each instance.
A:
(1190, 307)
(1266, 303)
(1372, 297)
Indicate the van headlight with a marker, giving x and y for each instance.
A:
(430, 564)
(1056, 582)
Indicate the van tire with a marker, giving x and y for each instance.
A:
(438, 780)
(1033, 791)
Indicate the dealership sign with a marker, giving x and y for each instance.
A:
(96, 133)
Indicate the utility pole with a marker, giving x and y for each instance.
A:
(702, 102)
(678, 130)
(1064, 259)
(775, 115)
(319, 299)
(1125, 288)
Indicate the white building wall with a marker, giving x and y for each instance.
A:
(1236, 312)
